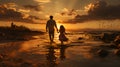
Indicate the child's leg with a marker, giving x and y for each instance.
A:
(62, 43)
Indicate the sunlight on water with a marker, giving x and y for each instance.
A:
(72, 54)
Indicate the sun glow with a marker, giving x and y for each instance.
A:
(58, 25)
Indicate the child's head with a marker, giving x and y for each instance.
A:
(62, 27)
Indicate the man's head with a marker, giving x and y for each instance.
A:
(51, 17)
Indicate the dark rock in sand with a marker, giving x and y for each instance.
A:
(1, 58)
(102, 53)
(108, 37)
(113, 46)
(80, 38)
(117, 40)
(26, 64)
(118, 46)
(117, 52)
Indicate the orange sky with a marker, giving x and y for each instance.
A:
(89, 13)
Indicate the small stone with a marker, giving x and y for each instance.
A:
(102, 52)
(117, 52)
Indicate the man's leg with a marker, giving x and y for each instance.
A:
(50, 36)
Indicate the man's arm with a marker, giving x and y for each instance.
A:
(47, 26)
(56, 26)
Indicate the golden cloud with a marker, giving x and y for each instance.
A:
(42, 1)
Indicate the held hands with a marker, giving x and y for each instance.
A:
(57, 31)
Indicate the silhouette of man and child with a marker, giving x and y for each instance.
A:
(50, 25)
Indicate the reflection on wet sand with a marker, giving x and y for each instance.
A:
(62, 52)
(52, 59)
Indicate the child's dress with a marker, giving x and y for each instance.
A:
(62, 36)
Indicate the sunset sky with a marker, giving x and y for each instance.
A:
(64, 11)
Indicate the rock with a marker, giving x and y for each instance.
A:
(117, 40)
(117, 52)
(113, 46)
(118, 46)
(102, 53)
(26, 64)
(1, 58)
(38, 45)
(80, 38)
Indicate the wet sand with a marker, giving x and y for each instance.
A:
(40, 53)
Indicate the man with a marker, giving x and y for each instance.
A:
(50, 28)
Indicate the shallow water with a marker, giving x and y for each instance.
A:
(40, 53)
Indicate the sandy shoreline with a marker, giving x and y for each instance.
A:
(39, 53)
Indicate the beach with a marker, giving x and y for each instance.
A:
(38, 52)
(59, 33)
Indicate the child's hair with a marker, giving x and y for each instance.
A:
(62, 29)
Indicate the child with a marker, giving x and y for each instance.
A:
(62, 36)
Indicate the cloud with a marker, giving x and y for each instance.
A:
(24, 10)
(33, 7)
(12, 14)
(10, 5)
(104, 11)
(68, 12)
(99, 10)
(34, 17)
(42, 1)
